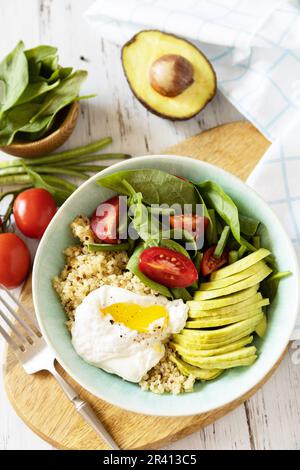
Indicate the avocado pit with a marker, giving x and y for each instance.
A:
(171, 75)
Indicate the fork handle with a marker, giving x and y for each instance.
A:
(85, 410)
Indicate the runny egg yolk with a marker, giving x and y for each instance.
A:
(135, 316)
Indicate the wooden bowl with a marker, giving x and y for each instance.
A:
(63, 128)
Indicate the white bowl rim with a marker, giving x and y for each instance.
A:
(137, 409)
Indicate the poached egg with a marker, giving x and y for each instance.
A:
(124, 333)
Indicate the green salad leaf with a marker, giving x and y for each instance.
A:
(216, 198)
(34, 78)
(248, 225)
(133, 266)
(13, 77)
(156, 186)
(14, 120)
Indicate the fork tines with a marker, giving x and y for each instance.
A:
(21, 325)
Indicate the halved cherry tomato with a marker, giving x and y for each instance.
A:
(210, 264)
(33, 210)
(168, 267)
(14, 260)
(104, 221)
(191, 222)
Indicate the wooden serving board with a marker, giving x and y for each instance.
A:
(38, 399)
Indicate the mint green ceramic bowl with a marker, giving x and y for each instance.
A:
(232, 384)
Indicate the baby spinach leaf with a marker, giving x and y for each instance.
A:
(14, 119)
(40, 53)
(64, 94)
(156, 186)
(248, 225)
(13, 77)
(133, 266)
(38, 125)
(216, 198)
(34, 90)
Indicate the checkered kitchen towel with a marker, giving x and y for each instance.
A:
(254, 46)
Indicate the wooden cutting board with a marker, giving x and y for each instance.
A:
(38, 399)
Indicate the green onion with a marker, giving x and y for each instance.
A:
(248, 245)
(280, 275)
(107, 247)
(181, 293)
(70, 154)
(233, 256)
(213, 227)
(61, 171)
(86, 168)
(256, 241)
(197, 260)
(95, 158)
(222, 242)
(56, 181)
(241, 251)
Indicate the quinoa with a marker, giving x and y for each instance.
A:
(84, 272)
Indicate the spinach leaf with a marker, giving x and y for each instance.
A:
(64, 94)
(59, 194)
(217, 199)
(40, 53)
(13, 77)
(142, 221)
(157, 187)
(210, 231)
(172, 245)
(37, 126)
(14, 119)
(248, 225)
(34, 90)
(133, 266)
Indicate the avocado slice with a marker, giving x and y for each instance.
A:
(225, 333)
(198, 343)
(240, 265)
(245, 361)
(195, 312)
(228, 281)
(189, 350)
(262, 327)
(224, 361)
(237, 287)
(222, 321)
(200, 374)
(224, 301)
(168, 74)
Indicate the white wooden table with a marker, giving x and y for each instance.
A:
(271, 419)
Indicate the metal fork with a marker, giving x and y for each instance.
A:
(34, 354)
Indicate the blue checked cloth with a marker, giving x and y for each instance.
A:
(254, 46)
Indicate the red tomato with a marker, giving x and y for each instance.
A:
(192, 223)
(104, 222)
(210, 264)
(168, 267)
(33, 210)
(14, 260)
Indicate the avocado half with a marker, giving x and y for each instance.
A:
(168, 74)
